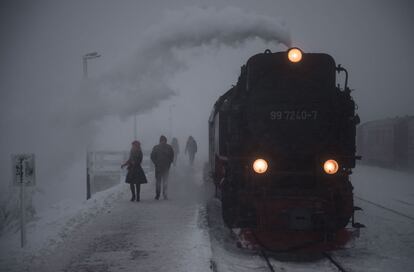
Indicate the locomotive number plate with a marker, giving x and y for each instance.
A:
(294, 115)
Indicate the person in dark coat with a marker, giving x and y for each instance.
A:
(136, 175)
(191, 149)
(176, 148)
(162, 156)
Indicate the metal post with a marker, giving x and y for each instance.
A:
(88, 179)
(22, 208)
(92, 55)
(85, 67)
(135, 127)
(171, 120)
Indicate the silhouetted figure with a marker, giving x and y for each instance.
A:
(136, 175)
(191, 149)
(162, 156)
(176, 148)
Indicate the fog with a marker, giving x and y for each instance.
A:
(177, 57)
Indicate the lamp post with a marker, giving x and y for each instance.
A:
(135, 127)
(171, 120)
(85, 58)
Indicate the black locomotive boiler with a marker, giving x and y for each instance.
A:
(282, 149)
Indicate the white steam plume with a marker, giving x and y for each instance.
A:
(140, 84)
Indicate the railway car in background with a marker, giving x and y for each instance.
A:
(282, 148)
(387, 142)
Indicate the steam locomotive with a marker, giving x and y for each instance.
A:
(282, 149)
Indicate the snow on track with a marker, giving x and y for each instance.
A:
(389, 188)
(228, 257)
(387, 242)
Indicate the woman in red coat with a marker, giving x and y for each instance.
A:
(136, 175)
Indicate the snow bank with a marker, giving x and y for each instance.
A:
(53, 224)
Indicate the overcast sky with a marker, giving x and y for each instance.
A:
(41, 69)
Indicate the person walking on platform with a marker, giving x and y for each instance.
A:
(135, 176)
(191, 149)
(162, 156)
(176, 148)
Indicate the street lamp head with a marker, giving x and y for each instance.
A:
(91, 55)
(85, 58)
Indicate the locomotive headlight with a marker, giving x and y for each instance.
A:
(295, 54)
(331, 167)
(260, 166)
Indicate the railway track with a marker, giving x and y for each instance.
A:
(271, 268)
(385, 208)
(334, 262)
(265, 256)
(269, 264)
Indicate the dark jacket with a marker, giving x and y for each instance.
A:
(162, 156)
(191, 146)
(135, 172)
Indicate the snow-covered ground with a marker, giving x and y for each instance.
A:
(51, 227)
(390, 188)
(110, 233)
(387, 242)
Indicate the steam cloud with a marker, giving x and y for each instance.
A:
(140, 84)
(60, 132)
